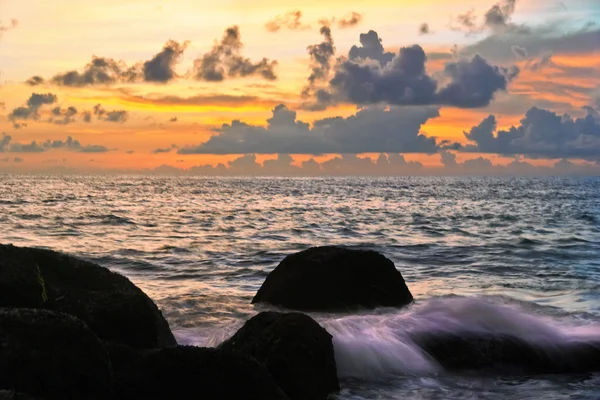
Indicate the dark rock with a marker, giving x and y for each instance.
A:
(334, 278)
(509, 354)
(113, 307)
(296, 350)
(196, 373)
(6, 395)
(52, 355)
(121, 355)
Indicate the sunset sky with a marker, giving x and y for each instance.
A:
(329, 87)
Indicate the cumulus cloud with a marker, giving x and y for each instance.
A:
(370, 76)
(11, 25)
(225, 61)
(371, 129)
(540, 134)
(161, 68)
(108, 71)
(291, 20)
(70, 144)
(118, 116)
(31, 109)
(321, 55)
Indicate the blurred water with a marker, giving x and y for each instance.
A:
(201, 247)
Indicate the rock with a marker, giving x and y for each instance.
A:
(296, 350)
(6, 395)
(188, 372)
(113, 307)
(121, 355)
(52, 355)
(334, 278)
(509, 354)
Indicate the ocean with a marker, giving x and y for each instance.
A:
(499, 255)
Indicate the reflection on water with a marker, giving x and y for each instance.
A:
(201, 247)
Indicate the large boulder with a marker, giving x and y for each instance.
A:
(509, 354)
(51, 355)
(196, 373)
(113, 307)
(9, 395)
(296, 350)
(332, 278)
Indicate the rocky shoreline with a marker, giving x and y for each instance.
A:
(70, 329)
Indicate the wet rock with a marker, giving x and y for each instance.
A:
(296, 350)
(188, 372)
(332, 278)
(113, 307)
(51, 355)
(509, 354)
(7, 395)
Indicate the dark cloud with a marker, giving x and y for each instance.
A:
(32, 107)
(108, 71)
(225, 61)
(424, 29)
(70, 144)
(499, 15)
(291, 20)
(164, 150)
(372, 129)
(63, 116)
(541, 134)
(129, 152)
(404, 81)
(118, 116)
(321, 56)
(35, 80)
(497, 18)
(99, 71)
(161, 68)
(174, 119)
(18, 159)
(370, 48)
(350, 20)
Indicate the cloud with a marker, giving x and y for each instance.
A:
(350, 20)
(67, 116)
(370, 48)
(362, 80)
(99, 71)
(290, 20)
(424, 29)
(31, 109)
(161, 68)
(321, 55)
(70, 144)
(129, 152)
(497, 18)
(18, 159)
(174, 119)
(118, 116)
(35, 81)
(372, 129)
(540, 134)
(108, 71)
(536, 41)
(164, 150)
(225, 61)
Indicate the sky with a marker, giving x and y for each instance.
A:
(330, 87)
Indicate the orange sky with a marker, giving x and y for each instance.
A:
(54, 38)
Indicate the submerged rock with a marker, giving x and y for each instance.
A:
(296, 350)
(113, 307)
(7, 395)
(332, 278)
(509, 354)
(196, 373)
(51, 355)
